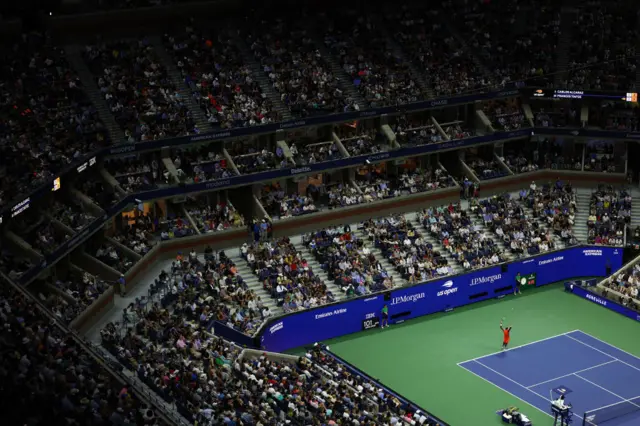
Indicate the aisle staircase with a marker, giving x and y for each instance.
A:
(252, 281)
(563, 49)
(261, 78)
(178, 80)
(580, 229)
(398, 280)
(88, 80)
(317, 268)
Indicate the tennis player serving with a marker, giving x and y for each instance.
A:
(506, 332)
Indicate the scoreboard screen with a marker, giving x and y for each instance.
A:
(527, 279)
(583, 94)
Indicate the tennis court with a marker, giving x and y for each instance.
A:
(593, 375)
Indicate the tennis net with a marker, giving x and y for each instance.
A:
(601, 416)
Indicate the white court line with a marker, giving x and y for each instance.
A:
(608, 344)
(607, 390)
(518, 347)
(611, 405)
(602, 352)
(504, 390)
(571, 374)
(522, 386)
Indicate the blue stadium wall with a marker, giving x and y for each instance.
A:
(339, 319)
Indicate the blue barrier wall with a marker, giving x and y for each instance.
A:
(316, 325)
(228, 333)
(599, 300)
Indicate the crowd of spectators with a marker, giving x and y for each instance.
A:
(344, 195)
(407, 250)
(362, 142)
(213, 217)
(251, 158)
(219, 79)
(83, 287)
(621, 116)
(486, 169)
(139, 173)
(47, 118)
(602, 55)
(108, 254)
(175, 226)
(348, 261)
(507, 219)
(98, 191)
(297, 69)
(464, 240)
(519, 162)
(12, 264)
(286, 275)
(278, 203)
(44, 237)
(609, 215)
(138, 90)
(627, 285)
(309, 152)
(517, 43)
(139, 233)
(555, 204)
(381, 76)
(48, 376)
(457, 130)
(72, 214)
(201, 165)
(602, 158)
(411, 132)
(505, 115)
(427, 42)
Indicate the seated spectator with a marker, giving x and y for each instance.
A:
(202, 165)
(43, 235)
(602, 158)
(249, 158)
(297, 69)
(213, 68)
(527, 53)
(279, 204)
(139, 233)
(348, 261)
(48, 120)
(556, 205)
(307, 152)
(410, 132)
(286, 274)
(486, 169)
(505, 115)
(609, 214)
(175, 226)
(138, 90)
(35, 343)
(214, 218)
(457, 130)
(520, 163)
(406, 249)
(363, 142)
(83, 287)
(344, 195)
(72, 214)
(109, 255)
(429, 44)
(380, 77)
(12, 264)
(135, 174)
(508, 220)
(466, 242)
(620, 116)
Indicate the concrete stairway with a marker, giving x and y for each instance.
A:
(74, 57)
(583, 198)
(178, 80)
(344, 80)
(564, 45)
(635, 208)
(391, 270)
(260, 77)
(252, 281)
(317, 269)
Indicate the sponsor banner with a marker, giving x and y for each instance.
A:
(307, 327)
(599, 300)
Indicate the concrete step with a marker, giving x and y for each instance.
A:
(317, 269)
(253, 283)
(391, 269)
(178, 80)
(265, 84)
(74, 57)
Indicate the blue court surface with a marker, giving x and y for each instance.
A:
(593, 374)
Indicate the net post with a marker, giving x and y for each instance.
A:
(584, 419)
